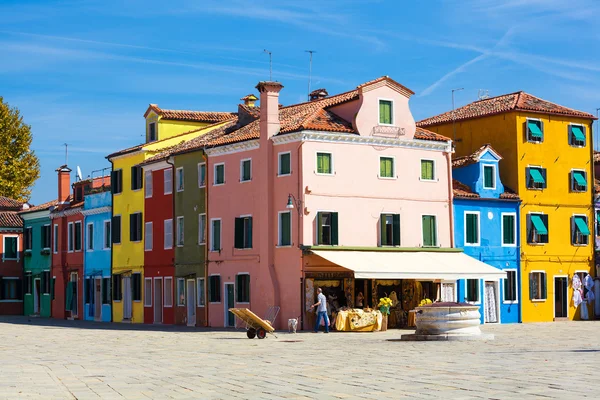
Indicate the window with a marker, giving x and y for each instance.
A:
(243, 233)
(219, 174)
(201, 228)
(201, 175)
(28, 238)
(52, 286)
(535, 130)
(598, 223)
(284, 164)
(389, 225)
(489, 177)
(116, 289)
(46, 282)
(147, 292)
(106, 291)
(537, 285)
(215, 236)
(242, 286)
(180, 292)
(11, 289)
(245, 170)
(472, 290)
(510, 286)
(152, 134)
(578, 181)
(580, 232)
(427, 170)
(107, 237)
(70, 235)
(324, 164)
(90, 237)
(148, 179)
(327, 228)
(577, 135)
(78, 236)
(214, 290)
(168, 178)
(46, 238)
(179, 231)
(535, 177)
(136, 283)
(509, 229)
(285, 228)
(148, 241)
(28, 282)
(168, 228)
(116, 181)
(429, 231)
(135, 227)
(116, 229)
(386, 167)
(55, 239)
(136, 178)
(200, 290)
(168, 291)
(537, 228)
(386, 112)
(179, 176)
(471, 228)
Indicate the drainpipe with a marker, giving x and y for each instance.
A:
(170, 161)
(206, 240)
(112, 213)
(450, 194)
(300, 233)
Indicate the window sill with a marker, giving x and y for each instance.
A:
(147, 306)
(509, 302)
(535, 141)
(201, 186)
(215, 302)
(246, 181)
(472, 244)
(202, 244)
(534, 188)
(242, 248)
(537, 244)
(579, 245)
(429, 180)
(167, 193)
(283, 175)
(382, 124)
(387, 178)
(218, 184)
(538, 300)
(242, 302)
(284, 246)
(136, 190)
(509, 245)
(165, 306)
(324, 174)
(147, 250)
(474, 303)
(116, 301)
(199, 306)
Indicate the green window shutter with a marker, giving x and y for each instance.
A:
(217, 235)
(386, 167)
(334, 229)
(382, 229)
(239, 233)
(286, 239)
(427, 169)
(544, 287)
(238, 289)
(396, 232)
(284, 164)
(325, 163)
(385, 112)
(509, 231)
(319, 163)
(319, 228)
(429, 233)
(488, 178)
(69, 296)
(531, 286)
(249, 232)
(132, 228)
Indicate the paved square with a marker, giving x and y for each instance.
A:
(84, 360)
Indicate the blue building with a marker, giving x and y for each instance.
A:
(96, 265)
(486, 225)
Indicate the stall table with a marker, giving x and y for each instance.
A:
(357, 320)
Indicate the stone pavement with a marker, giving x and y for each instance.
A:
(84, 360)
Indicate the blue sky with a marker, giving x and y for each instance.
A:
(83, 72)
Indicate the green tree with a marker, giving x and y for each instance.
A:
(19, 166)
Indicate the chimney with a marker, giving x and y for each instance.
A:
(64, 184)
(318, 94)
(249, 100)
(269, 108)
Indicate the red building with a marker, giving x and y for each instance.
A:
(11, 267)
(159, 243)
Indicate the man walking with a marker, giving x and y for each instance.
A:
(321, 305)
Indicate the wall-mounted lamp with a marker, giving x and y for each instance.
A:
(293, 202)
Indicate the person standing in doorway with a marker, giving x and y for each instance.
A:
(321, 305)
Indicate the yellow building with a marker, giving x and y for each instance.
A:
(548, 154)
(164, 128)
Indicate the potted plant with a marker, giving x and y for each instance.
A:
(384, 306)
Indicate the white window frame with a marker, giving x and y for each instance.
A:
(574, 226)
(529, 285)
(148, 184)
(148, 299)
(44, 227)
(4, 248)
(242, 170)
(200, 183)
(437, 236)
(513, 214)
(280, 232)
(244, 217)
(168, 222)
(527, 132)
(434, 179)
(478, 243)
(317, 163)
(178, 173)
(215, 174)
(394, 175)
(148, 244)
(70, 237)
(54, 239)
(212, 220)
(494, 168)
(165, 298)
(504, 301)
(168, 188)
(571, 143)
(180, 235)
(452, 283)
(202, 229)
(379, 99)
(105, 222)
(200, 292)
(572, 179)
(89, 238)
(279, 163)
(75, 235)
(177, 299)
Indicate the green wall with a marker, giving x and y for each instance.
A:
(35, 262)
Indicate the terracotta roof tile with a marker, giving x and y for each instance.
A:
(472, 158)
(463, 191)
(424, 134)
(10, 219)
(519, 101)
(509, 194)
(6, 203)
(41, 207)
(187, 115)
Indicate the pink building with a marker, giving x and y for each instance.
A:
(343, 193)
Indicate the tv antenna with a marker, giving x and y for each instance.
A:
(453, 118)
(66, 153)
(597, 126)
(483, 94)
(270, 64)
(311, 52)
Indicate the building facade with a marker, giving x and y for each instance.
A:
(11, 261)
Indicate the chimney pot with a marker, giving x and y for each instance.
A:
(249, 100)
(318, 94)
(64, 184)
(269, 108)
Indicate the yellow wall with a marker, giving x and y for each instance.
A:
(170, 128)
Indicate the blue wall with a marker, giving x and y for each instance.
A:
(97, 261)
(472, 176)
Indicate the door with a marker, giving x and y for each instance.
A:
(74, 301)
(98, 299)
(560, 297)
(36, 296)
(191, 303)
(229, 303)
(490, 302)
(127, 299)
(158, 300)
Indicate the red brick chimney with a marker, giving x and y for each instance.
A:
(269, 108)
(64, 184)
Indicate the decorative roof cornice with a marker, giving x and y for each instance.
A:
(65, 213)
(246, 145)
(95, 211)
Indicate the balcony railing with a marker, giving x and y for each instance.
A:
(387, 131)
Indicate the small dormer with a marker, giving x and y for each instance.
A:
(480, 171)
(152, 117)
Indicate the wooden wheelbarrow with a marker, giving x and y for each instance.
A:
(256, 326)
